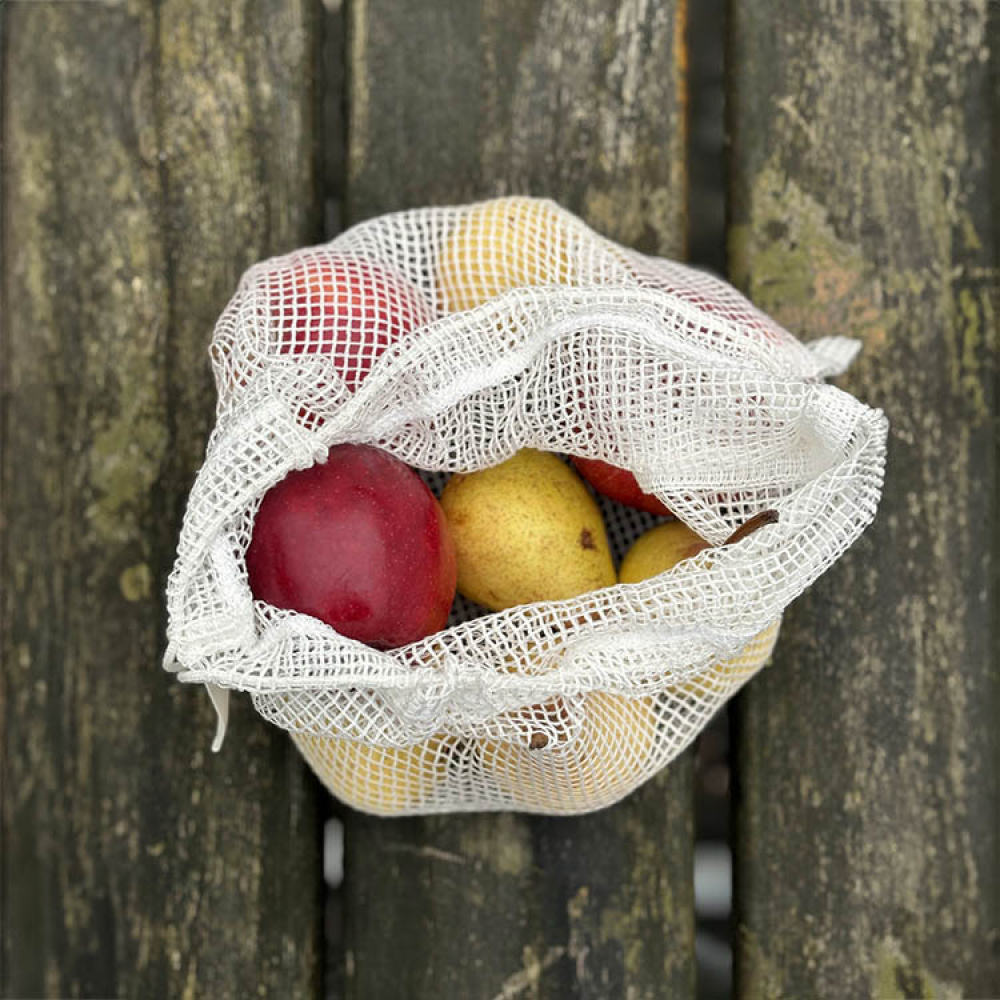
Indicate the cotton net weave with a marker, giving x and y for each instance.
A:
(521, 327)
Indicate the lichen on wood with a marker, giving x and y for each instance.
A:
(862, 178)
(584, 103)
(151, 153)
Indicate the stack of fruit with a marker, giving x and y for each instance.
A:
(361, 543)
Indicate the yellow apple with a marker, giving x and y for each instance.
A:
(499, 245)
(381, 780)
(725, 676)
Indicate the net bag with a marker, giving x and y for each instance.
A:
(513, 325)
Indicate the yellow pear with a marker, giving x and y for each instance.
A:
(660, 549)
(499, 245)
(603, 763)
(526, 530)
(381, 780)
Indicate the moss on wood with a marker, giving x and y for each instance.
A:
(867, 859)
(151, 152)
(582, 102)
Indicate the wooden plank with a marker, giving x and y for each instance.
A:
(583, 102)
(151, 152)
(862, 178)
(580, 101)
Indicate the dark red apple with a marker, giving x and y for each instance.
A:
(618, 484)
(360, 543)
(348, 307)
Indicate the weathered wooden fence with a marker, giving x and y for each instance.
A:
(151, 151)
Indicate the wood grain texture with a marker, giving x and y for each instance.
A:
(583, 102)
(151, 152)
(864, 202)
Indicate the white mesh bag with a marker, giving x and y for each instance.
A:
(513, 325)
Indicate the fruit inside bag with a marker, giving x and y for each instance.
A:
(592, 636)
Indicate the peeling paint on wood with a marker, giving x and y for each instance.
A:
(582, 102)
(863, 203)
(151, 152)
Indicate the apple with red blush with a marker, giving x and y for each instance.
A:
(346, 306)
(359, 542)
(618, 484)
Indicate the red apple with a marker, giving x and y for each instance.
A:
(618, 484)
(348, 307)
(360, 543)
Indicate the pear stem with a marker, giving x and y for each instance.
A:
(754, 523)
